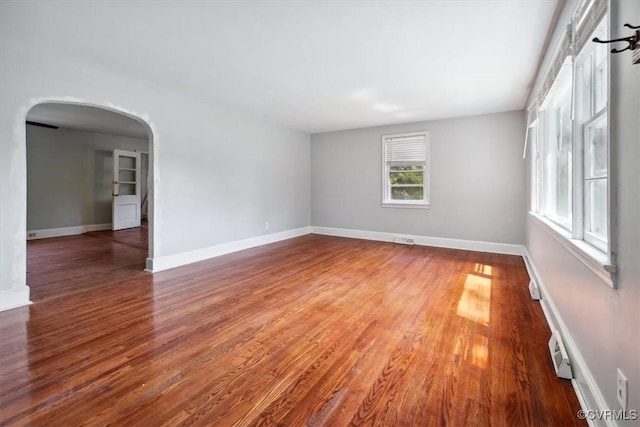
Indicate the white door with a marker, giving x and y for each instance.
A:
(126, 189)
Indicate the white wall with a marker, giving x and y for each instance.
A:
(476, 180)
(69, 176)
(601, 323)
(219, 174)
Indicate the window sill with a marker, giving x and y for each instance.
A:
(406, 205)
(597, 261)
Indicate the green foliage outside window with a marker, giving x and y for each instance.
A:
(407, 182)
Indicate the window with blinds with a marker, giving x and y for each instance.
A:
(405, 170)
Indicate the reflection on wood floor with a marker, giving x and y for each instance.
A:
(70, 265)
(315, 330)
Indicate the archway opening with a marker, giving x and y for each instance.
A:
(89, 185)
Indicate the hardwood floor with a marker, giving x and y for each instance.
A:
(315, 330)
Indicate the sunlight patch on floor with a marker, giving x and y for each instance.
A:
(475, 300)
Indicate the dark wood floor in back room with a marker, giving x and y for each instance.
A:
(315, 330)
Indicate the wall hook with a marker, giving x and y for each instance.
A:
(632, 40)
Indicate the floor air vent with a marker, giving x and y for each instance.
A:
(534, 291)
(403, 240)
(559, 356)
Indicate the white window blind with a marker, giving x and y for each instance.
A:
(532, 112)
(559, 61)
(405, 170)
(586, 19)
(579, 31)
(406, 149)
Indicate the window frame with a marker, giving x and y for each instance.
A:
(589, 248)
(588, 236)
(585, 120)
(387, 201)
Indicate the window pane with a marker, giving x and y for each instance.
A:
(564, 202)
(127, 162)
(127, 176)
(600, 68)
(565, 126)
(563, 195)
(407, 193)
(405, 177)
(533, 187)
(583, 95)
(596, 150)
(127, 189)
(558, 135)
(596, 205)
(600, 88)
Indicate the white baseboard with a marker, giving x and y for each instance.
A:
(171, 261)
(66, 231)
(440, 242)
(590, 397)
(12, 298)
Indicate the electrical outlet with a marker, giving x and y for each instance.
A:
(621, 390)
(33, 234)
(266, 225)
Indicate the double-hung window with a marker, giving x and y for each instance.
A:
(591, 126)
(405, 170)
(555, 114)
(570, 162)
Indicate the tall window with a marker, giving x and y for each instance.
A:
(570, 161)
(558, 149)
(591, 125)
(405, 170)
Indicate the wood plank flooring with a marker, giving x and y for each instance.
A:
(317, 330)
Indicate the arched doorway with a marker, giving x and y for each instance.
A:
(70, 155)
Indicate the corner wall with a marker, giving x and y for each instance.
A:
(476, 180)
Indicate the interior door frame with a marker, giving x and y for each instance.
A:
(153, 240)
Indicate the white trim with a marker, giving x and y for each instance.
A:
(441, 242)
(591, 397)
(387, 201)
(15, 297)
(171, 261)
(66, 231)
(406, 205)
(597, 261)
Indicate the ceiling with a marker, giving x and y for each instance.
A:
(86, 118)
(310, 65)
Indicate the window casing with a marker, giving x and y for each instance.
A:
(405, 170)
(586, 225)
(570, 153)
(592, 140)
